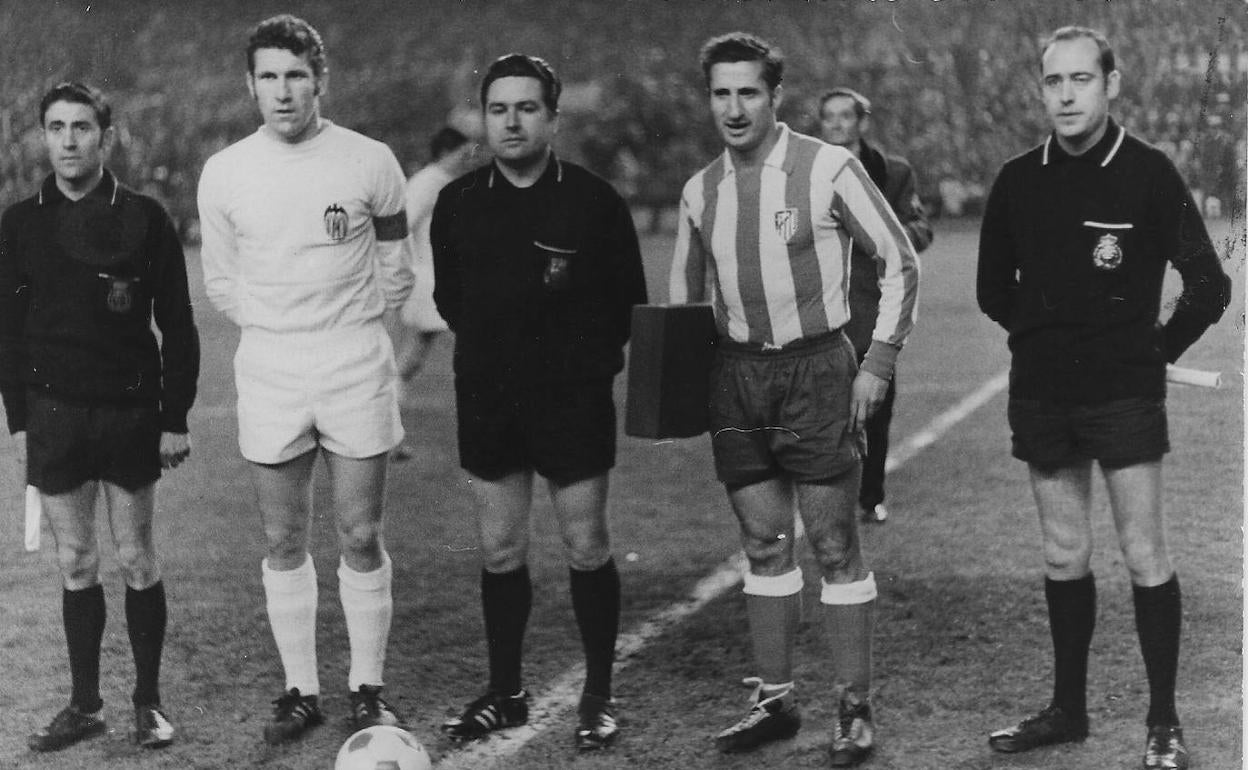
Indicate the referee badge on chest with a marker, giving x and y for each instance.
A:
(120, 298)
(1108, 254)
(335, 221)
(786, 224)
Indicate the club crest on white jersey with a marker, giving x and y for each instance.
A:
(335, 221)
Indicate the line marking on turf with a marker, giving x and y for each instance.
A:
(563, 692)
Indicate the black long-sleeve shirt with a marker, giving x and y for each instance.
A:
(80, 284)
(537, 283)
(1072, 255)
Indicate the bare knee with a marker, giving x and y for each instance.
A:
(586, 550)
(1067, 558)
(287, 547)
(138, 565)
(769, 554)
(1148, 563)
(504, 551)
(79, 564)
(840, 558)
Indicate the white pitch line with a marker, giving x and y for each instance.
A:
(564, 691)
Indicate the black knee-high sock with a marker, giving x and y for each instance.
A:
(596, 603)
(1072, 619)
(1158, 618)
(146, 617)
(506, 598)
(83, 614)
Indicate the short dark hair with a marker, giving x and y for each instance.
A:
(742, 46)
(290, 33)
(1074, 32)
(79, 93)
(446, 140)
(862, 105)
(518, 65)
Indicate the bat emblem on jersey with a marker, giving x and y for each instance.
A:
(786, 224)
(1108, 254)
(335, 221)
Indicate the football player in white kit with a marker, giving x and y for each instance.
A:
(305, 246)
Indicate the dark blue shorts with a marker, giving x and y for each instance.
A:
(784, 412)
(563, 431)
(69, 443)
(1115, 433)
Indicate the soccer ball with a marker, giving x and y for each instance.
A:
(382, 748)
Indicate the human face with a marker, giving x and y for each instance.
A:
(287, 91)
(743, 107)
(840, 122)
(1076, 93)
(518, 126)
(76, 143)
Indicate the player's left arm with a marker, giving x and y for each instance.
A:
(393, 253)
(1206, 286)
(906, 203)
(173, 314)
(870, 221)
(628, 282)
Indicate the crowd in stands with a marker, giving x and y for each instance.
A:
(954, 84)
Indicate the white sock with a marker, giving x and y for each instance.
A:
(368, 606)
(291, 601)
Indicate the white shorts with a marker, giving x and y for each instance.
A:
(419, 311)
(335, 389)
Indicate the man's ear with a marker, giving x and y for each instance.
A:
(1113, 84)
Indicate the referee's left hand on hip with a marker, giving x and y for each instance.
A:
(866, 396)
(174, 448)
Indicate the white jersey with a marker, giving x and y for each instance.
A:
(304, 237)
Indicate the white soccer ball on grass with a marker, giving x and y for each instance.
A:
(382, 748)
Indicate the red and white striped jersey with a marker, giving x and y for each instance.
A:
(770, 249)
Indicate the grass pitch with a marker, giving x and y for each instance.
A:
(961, 644)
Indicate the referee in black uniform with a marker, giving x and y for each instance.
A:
(95, 403)
(536, 268)
(1075, 242)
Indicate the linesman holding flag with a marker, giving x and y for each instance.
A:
(1075, 241)
(96, 404)
(765, 233)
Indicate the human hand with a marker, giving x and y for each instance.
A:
(866, 395)
(174, 448)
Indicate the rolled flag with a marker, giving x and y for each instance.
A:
(34, 516)
(1180, 375)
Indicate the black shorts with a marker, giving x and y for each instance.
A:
(564, 431)
(784, 411)
(1115, 433)
(69, 443)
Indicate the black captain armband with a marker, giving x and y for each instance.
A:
(391, 228)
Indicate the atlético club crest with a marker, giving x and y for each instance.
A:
(786, 224)
(1108, 254)
(335, 221)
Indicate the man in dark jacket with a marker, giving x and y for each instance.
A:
(844, 116)
(92, 399)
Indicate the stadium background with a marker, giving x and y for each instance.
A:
(961, 643)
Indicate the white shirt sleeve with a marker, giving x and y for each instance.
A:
(393, 253)
(218, 251)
